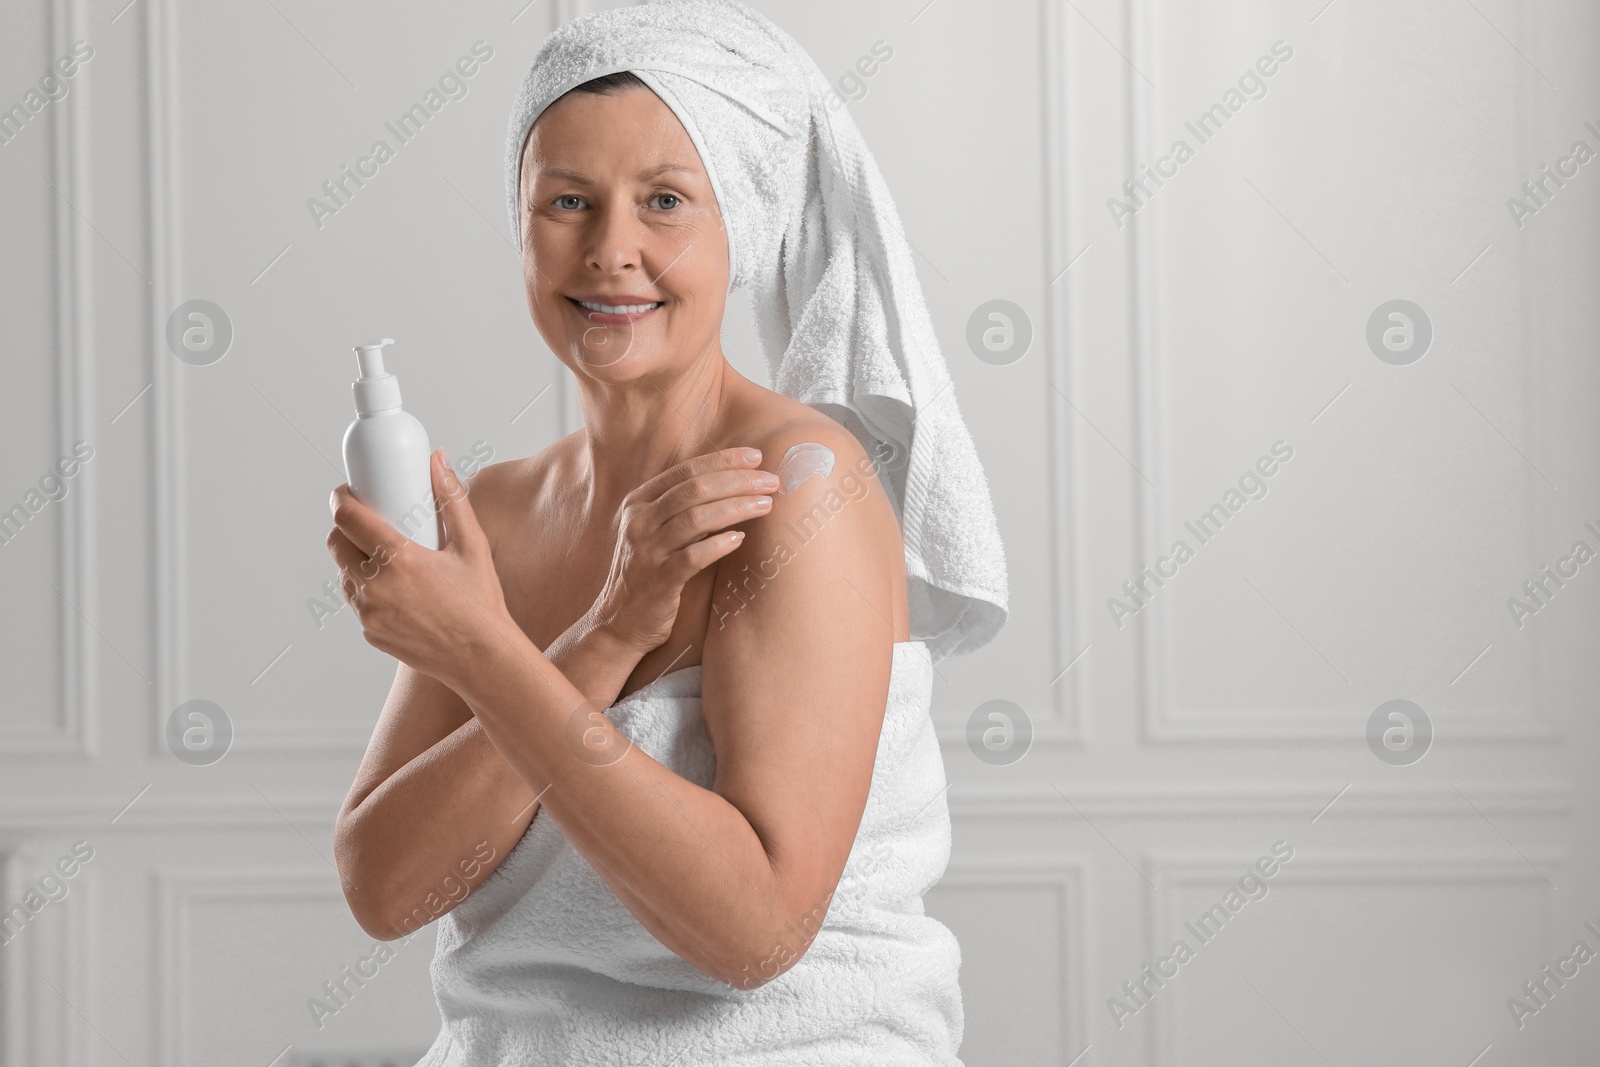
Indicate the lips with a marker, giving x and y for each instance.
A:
(614, 310)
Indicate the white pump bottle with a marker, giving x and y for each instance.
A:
(386, 453)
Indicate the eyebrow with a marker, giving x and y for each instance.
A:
(557, 171)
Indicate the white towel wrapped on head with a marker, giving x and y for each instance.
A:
(814, 237)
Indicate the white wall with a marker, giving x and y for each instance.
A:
(1227, 313)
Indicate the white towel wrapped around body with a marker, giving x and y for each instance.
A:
(543, 965)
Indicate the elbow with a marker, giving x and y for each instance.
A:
(383, 898)
(371, 916)
(369, 909)
(769, 961)
(772, 952)
(381, 918)
(364, 891)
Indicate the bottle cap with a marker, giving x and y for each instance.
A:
(377, 389)
(370, 357)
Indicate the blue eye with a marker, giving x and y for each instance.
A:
(668, 196)
(561, 198)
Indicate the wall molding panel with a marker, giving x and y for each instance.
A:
(1069, 877)
(1162, 723)
(1216, 869)
(176, 889)
(74, 737)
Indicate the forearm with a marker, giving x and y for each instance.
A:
(594, 660)
(404, 842)
(686, 862)
(410, 833)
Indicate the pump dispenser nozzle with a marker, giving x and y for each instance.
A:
(377, 389)
(370, 357)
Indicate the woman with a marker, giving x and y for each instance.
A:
(662, 707)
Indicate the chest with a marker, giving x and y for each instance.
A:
(551, 576)
(549, 582)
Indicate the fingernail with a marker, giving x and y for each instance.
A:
(752, 455)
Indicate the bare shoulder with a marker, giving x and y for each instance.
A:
(798, 442)
(831, 526)
(497, 489)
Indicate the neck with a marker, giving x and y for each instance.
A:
(635, 430)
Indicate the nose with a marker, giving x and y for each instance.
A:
(614, 242)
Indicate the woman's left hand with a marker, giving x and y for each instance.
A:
(429, 609)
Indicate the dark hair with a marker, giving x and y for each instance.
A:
(607, 84)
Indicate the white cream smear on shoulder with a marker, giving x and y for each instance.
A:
(804, 461)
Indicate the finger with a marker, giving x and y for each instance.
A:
(714, 485)
(460, 521)
(726, 459)
(355, 567)
(695, 522)
(366, 529)
(350, 563)
(344, 553)
(693, 558)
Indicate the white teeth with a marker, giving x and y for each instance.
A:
(620, 309)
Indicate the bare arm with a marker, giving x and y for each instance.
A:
(435, 808)
(794, 692)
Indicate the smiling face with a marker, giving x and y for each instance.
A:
(616, 209)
